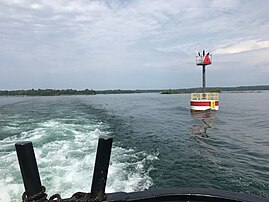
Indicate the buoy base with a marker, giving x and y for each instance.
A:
(202, 105)
(204, 101)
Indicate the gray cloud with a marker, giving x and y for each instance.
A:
(129, 44)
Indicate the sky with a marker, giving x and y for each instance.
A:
(132, 44)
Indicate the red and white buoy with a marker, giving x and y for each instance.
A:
(204, 100)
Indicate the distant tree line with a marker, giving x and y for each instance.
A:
(216, 89)
(246, 88)
(47, 92)
(190, 90)
(119, 91)
(55, 92)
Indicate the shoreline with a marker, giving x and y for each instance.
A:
(62, 92)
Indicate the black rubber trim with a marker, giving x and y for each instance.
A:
(183, 194)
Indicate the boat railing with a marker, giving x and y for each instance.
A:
(205, 96)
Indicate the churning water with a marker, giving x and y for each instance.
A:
(157, 142)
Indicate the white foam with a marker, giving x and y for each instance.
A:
(10, 187)
(9, 191)
(128, 171)
(65, 154)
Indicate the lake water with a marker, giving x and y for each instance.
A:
(157, 142)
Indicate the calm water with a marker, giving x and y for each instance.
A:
(157, 142)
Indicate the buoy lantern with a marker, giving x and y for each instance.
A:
(204, 100)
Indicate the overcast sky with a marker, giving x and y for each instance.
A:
(132, 44)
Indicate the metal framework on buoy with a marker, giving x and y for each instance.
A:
(204, 100)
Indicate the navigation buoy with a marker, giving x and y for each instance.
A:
(201, 101)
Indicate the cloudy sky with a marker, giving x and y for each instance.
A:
(132, 44)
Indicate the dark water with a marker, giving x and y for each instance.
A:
(157, 142)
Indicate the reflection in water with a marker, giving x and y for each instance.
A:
(203, 115)
(206, 117)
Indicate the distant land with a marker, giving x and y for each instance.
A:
(217, 89)
(57, 92)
